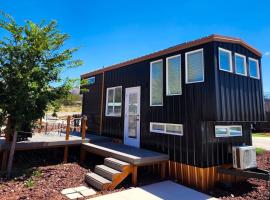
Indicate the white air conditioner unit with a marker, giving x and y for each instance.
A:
(244, 157)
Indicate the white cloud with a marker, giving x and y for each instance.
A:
(267, 53)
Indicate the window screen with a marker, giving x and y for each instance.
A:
(156, 83)
(194, 66)
(173, 75)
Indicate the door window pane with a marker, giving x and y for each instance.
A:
(225, 60)
(156, 94)
(174, 75)
(253, 68)
(240, 64)
(194, 66)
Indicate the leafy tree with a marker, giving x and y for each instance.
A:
(32, 59)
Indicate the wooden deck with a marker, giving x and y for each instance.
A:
(51, 140)
(133, 155)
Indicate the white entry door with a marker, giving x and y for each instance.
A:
(132, 116)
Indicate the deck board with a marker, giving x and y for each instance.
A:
(51, 140)
(133, 155)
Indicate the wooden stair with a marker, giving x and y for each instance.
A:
(109, 175)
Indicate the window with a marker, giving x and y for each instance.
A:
(228, 131)
(225, 60)
(114, 101)
(173, 75)
(91, 80)
(166, 128)
(194, 66)
(156, 83)
(240, 64)
(253, 68)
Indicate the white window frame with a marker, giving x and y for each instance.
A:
(245, 63)
(151, 63)
(258, 68)
(167, 75)
(107, 98)
(92, 78)
(230, 55)
(186, 65)
(165, 128)
(228, 127)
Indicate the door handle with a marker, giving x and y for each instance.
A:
(137, 117)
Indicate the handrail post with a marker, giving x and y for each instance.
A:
(67, 138)
(40, 125)
(84, 119)
(68, 127)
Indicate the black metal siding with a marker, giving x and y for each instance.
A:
(92, 105)
(239, 98)
(223, 98)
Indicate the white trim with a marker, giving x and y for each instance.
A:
(228, 127)
(106, 108)
(186, 71)
(230, 54)
(258, 69)
(167, 78)
(245, 63)
(165, 128)
(160, 60)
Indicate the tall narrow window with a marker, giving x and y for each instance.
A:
(173, 75)
(225, 60)
(156, 83)
(240, 64)
(114, 101)
(194, 66)
(253, 68)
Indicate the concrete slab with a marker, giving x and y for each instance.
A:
(88, 192)
(74, 195)
(67, 191)
(80, 188)
(167, 190)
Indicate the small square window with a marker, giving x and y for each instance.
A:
(92, 80)
(240, 64)
(225, 60)
(253, 68)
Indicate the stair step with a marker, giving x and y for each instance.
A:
(97, 181)
(116, 164)
(107, 172)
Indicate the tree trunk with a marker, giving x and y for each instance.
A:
(11, 154)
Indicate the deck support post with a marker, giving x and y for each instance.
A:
(163, 170)
(82, 155)
(135, 175)
(67, 138)
(4, 161)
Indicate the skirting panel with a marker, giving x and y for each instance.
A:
(201, 178)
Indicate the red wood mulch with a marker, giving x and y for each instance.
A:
(250, 189)
(48, 185)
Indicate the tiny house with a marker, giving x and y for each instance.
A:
(192, 101)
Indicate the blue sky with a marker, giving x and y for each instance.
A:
(109, 32)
